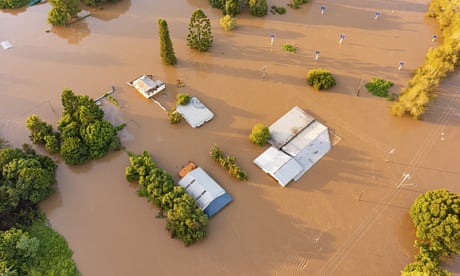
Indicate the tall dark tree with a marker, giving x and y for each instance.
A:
(199, 36)
(166, 47)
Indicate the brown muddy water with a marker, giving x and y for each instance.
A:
(344, 217)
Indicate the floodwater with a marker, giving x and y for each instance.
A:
(344, 217)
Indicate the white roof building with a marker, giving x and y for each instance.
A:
(147, 86)
(195, 112)
(208, 194)
(298, 142)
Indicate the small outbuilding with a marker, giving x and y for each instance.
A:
(195, 112)
(147, 86)
(208, 194)
(298, 142)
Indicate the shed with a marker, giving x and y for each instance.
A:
(195, 112)
(147, 86)
(279, 165)
(288, 126)
(298, 142)
(208, 194)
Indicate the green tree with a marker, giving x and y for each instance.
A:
(379, 87)
(228, 23)
(140, 166)
(12, 4)
(232, 7)
(182, 99)
(63, 11)
(95, 3)
(259, 134)
(258, 7)
(436, 216)
(199, 36)
(426, 263)
(155, 185)
(186, 220)
(320, 79)
(219, 4)
(74, 151)
(166, 47)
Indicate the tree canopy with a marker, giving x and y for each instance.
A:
(166, 48)
(185, 220)
(83, 134)
(259, 134)
(199, 36)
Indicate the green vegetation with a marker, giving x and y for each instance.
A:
(228, 23)
(27, 245)
(199, 36)
(232, 7)
(185, 220)
(277, 10)
(228, 163)
(26, 179)
(258, 7)
(259, 134)
(182, 99)
(166, 48)
(113, 100)
(12, 4)
(63, 11)
(438, 62)
(95, 3)
(320, 79)
(174, 117)
(83, 132)
(379, 87)
(295, 4)
(436, 216)
(290, 48)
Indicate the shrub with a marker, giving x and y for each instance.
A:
(259, 134)
(228, 163)
(63, 11)
(182, 99)
(295, 4)
(174, 117)
(289, 48)
(320, 79)
(278, 10)
(12, 4)
(228, 23)
(379, 87)
(258, 7)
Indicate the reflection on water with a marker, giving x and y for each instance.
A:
(73, 33)
(111, 11)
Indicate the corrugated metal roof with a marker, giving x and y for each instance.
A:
(286, 127)
(279, 165)
(208, 194)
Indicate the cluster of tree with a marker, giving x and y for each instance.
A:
(233, 7)
(63, 11)
(12, 4)
(185, 220)
(379, 87)
(320, 79)
(83, 133)
(438, 62)
(436, 216)
(259, 134)
(27, 245)
(229, 163)
(295, 4)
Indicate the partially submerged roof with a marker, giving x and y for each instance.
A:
(208, 194)
(195, 112)
(299, 141)
(289, 125)
(279, 165)
(147, 86)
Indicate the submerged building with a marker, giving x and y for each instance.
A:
(298, 142)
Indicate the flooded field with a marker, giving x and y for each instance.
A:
(344, 217)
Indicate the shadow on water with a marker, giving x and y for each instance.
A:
(74, 33)
(110, 11)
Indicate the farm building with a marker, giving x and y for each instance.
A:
(195, 112)
(208, 194)
(298, 142)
